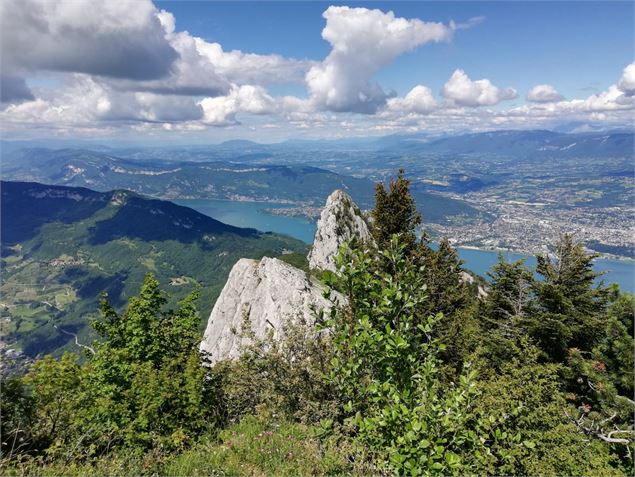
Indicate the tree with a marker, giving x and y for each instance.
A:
(571, 307)
(387, 372)
(600, 382)
(510, 303)
(143, 384)
(448, 290)
(529, 399)
(617, 347)
(147, 374)
(395, 212)
(17, 414)
(448, 293)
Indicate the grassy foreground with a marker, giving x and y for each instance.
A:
(257, 445)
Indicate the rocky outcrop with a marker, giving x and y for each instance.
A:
(340, 221)
(469, 279)
(266, 293)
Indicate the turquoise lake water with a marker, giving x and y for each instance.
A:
(247, 214)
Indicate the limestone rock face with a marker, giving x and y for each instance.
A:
(267, 292)
(340, 221)
(270, 292)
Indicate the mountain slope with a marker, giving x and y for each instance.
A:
(539, 143)
(182, 179)
(63, 246)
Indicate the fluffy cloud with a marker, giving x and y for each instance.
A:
(249, 68)
(120, 39)
(222, 110)
(124, 66)
(462, 91)
(363, 41)
(205, 69)
(614, 98)
(85, 101)
(626, 84)
(132, 45)
(543, 93)
(616, 104)
(419, 100)
(14, 89)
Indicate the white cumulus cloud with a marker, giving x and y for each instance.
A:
(250, 68)
(119, 39)
(206, 69)
(543, 93)
(363, 41)
(626, 84)
(419, 100)
(462, 91)
(222, 110)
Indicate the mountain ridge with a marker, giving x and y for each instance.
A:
(62, 246)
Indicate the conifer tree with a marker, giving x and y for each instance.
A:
(146, 373)
(571, 306)
(509, 304)
(395, 212)
(447, 290)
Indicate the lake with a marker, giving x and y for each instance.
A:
(247, 214)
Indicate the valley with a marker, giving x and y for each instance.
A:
(62, 247)
(515, 190)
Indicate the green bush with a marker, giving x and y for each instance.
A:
(386, 368)
(142, 386)
(284, 376)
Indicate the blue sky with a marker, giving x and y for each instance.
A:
(577, 46)
(273, 70)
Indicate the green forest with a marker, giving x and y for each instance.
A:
(416, 374)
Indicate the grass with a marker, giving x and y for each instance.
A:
(65, 297)
(148, 262)
(257, 446)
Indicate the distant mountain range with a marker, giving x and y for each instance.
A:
(504, 143)
(180, 179)
(525, 143)
(573, 139)
(183, 179)
(63, 246)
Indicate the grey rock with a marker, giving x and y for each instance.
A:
(266, 293)
(340, 221)
(469, 279)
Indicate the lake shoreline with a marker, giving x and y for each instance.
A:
(601, 256)
(479, 260)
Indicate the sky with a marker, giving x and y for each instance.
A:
(192, 72)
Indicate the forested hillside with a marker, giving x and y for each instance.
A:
(63, 246)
